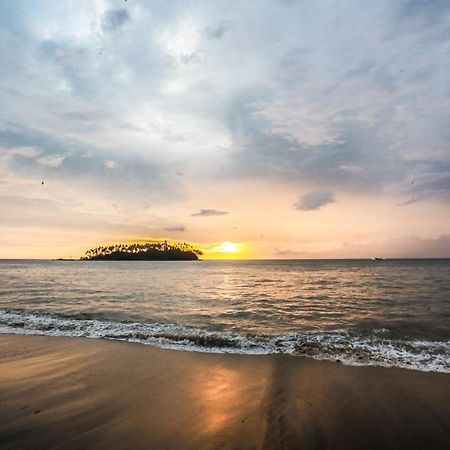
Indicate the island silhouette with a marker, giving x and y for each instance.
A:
(147, 251)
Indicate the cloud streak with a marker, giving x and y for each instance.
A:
(209, 213)
(176, 229)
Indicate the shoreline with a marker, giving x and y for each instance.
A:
(376, 350)
(84, 393)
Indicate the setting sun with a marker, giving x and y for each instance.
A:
(226, 250)
(226, 247)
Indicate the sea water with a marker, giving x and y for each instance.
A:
(392, 313)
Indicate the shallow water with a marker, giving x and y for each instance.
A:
(390, 313)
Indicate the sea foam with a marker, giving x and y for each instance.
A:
(335, 345)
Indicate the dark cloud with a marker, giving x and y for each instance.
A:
(114, 19)
(314, 200)
(210, 212)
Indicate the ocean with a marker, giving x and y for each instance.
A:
(391, 313)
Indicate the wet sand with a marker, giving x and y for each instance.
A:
(81, 393)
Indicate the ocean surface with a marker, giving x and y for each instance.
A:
(392, 313)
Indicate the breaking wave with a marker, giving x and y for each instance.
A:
(337, 345)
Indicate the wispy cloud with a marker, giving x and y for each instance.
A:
(176, 228)
(209, 213)
(406, 247)
(287, 253)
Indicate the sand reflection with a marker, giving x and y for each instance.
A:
(218, 394)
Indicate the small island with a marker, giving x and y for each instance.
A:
(147, 251)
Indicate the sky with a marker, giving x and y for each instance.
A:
(253, 129)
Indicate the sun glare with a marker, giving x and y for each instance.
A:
(226, 250)
(226, 247)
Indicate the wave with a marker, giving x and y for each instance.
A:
(336, 345)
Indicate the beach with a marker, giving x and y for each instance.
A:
(224, 225)
(58, 392)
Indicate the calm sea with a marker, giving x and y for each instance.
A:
(392, 313)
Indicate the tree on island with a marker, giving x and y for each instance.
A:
(147, 251)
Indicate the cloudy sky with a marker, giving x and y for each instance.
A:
(292, 128)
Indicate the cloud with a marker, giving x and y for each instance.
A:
(406, 247)
(114, 19)
(219, 31)
(110, 164)
(433, 183)
(353, 110)
(425, 11)
(51, 160)
(351, 121)
(314, 200)
(176, 228)
(210, 212)
(43, 213)
(78, 164)
(354, 99)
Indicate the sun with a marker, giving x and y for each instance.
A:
(226, 250)
(226, 247)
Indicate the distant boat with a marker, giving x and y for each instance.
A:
(376, 258)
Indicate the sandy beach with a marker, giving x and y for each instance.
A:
(82, 393)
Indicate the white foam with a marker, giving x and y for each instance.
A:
(336, 345)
